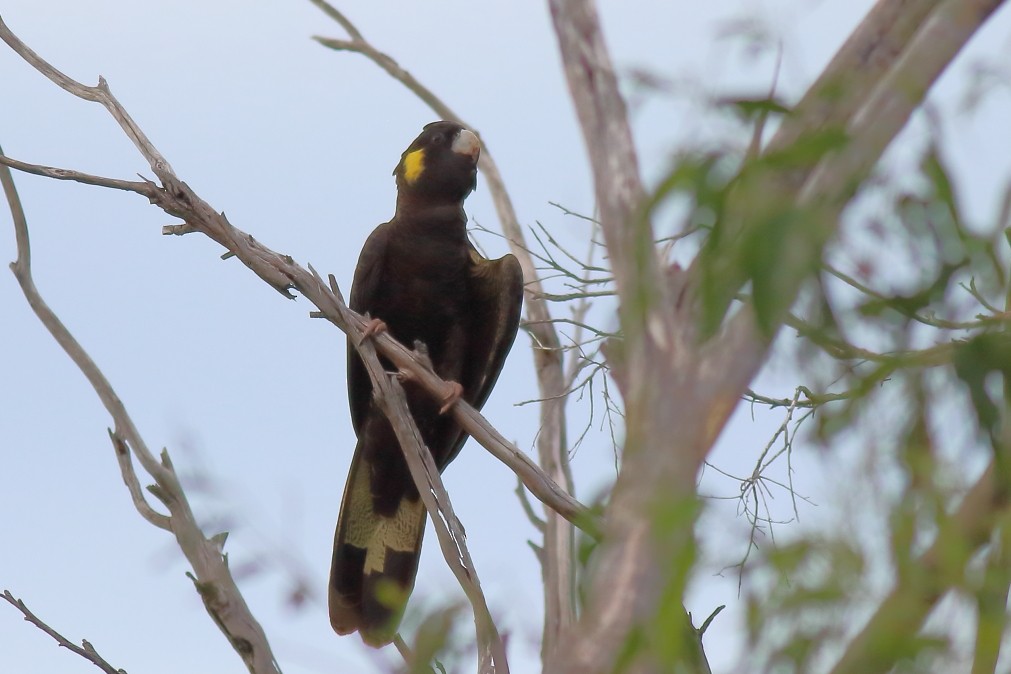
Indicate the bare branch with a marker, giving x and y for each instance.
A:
(900, 91)
(22, 271)
(99, 94)
(214, 581)
(574, 214)
(339, 17)
(133, 484)
(581, 295)
(749, 487)
(528, 509)
(634, 561)
(144, 188)
(856, 69)
(88, 651)
(403, 648)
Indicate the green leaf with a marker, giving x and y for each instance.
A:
(752, 108)
(806, 151)
(974, 361)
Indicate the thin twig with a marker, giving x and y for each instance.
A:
(528, 509)
(574, 214)
(98, 94)
(133, 484)
(933, 321)
(144, 188)
(88, 651)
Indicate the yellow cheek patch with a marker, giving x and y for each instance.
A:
(414, 164)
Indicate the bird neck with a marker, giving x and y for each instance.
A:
(421, 208)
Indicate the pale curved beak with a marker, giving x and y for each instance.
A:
(466, 142)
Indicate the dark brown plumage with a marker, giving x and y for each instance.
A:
(420, 276)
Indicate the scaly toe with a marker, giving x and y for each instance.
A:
(372, 328)
(453, 394)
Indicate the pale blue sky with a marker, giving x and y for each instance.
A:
(296, 144)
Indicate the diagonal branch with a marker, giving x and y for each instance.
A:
(144, 188)
(856, 69)
(220, 593)
(899, 92)
(282, 273)
(97, 94)
(88, 651)
(133, 484)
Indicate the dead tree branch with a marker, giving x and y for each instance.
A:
(85, 650)
(857, 68)
(97, 94)
(218, 590)
(78, 177)
(899, 92)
